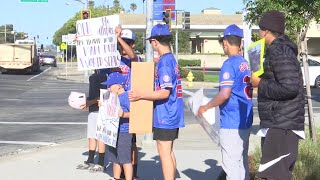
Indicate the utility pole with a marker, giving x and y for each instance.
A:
(5, 33)
(177, 34)
(149, 52)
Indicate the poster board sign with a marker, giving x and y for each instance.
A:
(97, 43)
(256, 57)
(108, 118)
(211, 118)
(141, 112)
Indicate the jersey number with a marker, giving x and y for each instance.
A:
(248, 88)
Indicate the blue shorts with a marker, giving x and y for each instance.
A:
(121, 154)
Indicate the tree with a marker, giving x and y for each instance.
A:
(299, 14)
(9, 36)
(91, 4)
(133, 7)
(183, 40)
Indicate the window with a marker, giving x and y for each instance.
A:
(313, 63)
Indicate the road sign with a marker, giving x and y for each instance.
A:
(160, 6)
(71, 39)
(33, 0)
(63, 46)
(65, 38)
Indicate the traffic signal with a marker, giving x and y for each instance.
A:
(166, 17)
(186, 20)
(85, 14)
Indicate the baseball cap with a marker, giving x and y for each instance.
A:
(114, 78)
(159, 30)
(233, 30)
(128, 34)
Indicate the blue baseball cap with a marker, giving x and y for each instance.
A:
(128, 34)
(233, 30)
(114, 78)
(159, 30)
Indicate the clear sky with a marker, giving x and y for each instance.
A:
(44, 19)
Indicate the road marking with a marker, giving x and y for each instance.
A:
(45, 123)
(39, 74)
(29, 143)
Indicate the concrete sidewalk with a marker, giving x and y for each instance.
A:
(197, 158)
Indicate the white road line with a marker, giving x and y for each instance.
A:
(29, 143)
(39, 74)
(45, 123)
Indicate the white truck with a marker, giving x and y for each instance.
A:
(22, 56)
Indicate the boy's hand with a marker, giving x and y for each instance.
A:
(99, 103)
(120, 114)
(202, 109)
(118, 31)
(134, 95)
(255, 81)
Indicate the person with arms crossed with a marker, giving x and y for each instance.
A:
(235, 102)
(168, 103)
(280, 100)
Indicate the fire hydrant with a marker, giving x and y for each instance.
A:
(190, 78)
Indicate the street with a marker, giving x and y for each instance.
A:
(36, 112)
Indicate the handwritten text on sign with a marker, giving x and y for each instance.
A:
(108, 118)
(97, 43)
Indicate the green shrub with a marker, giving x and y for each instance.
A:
(184, 62)
(198, 76)
(306, 167)
(183, 72)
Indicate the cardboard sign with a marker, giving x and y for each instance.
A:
(97, 43)
(256, 57)
(108, 118)
(141, 112)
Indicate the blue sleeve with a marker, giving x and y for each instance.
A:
(227, 75)
(166, 76)
(125, 103)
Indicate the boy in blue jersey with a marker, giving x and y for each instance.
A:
(168, 110)
(121, 156)
(234, 100)
(126, 43)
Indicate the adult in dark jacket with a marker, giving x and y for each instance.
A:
(280, 100)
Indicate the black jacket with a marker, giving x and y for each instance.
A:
(281, 92)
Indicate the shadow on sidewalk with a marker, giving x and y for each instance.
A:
(212, 172)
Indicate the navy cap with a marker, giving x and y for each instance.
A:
(114, 78)
(233, 30)
(159, 30)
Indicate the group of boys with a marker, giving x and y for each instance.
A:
(167, 95)
(280, 102)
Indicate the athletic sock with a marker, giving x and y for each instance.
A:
(91, 156)
(101, 159)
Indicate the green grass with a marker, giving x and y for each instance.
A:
(211, 78)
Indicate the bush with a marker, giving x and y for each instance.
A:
(183, 72)
(306, 167)
(198, 75)
(184, 62)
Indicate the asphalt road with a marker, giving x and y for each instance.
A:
(29, 102)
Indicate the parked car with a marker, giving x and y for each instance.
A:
(48, 60)
(314, 72)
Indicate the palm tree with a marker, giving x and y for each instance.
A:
(133, 7)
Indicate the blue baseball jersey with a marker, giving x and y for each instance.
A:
(168, 113)
(125, 69)
(125, 105)
(236, 112)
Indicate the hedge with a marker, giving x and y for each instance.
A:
(184, 62)
(198, 75)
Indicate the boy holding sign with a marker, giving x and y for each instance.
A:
(168, 111)
(121, 155)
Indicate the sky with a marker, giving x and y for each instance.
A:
(44, 19)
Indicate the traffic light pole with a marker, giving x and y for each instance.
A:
(149, 52)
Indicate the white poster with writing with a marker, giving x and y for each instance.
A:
(108, 118)
(211, 118)
(97, 43)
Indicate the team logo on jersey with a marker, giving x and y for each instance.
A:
(166, 78)
(226, 75)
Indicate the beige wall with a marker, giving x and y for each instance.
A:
(314, 30)
(212, 46)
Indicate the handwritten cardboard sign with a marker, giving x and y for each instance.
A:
(108, 118)
(97, 43)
